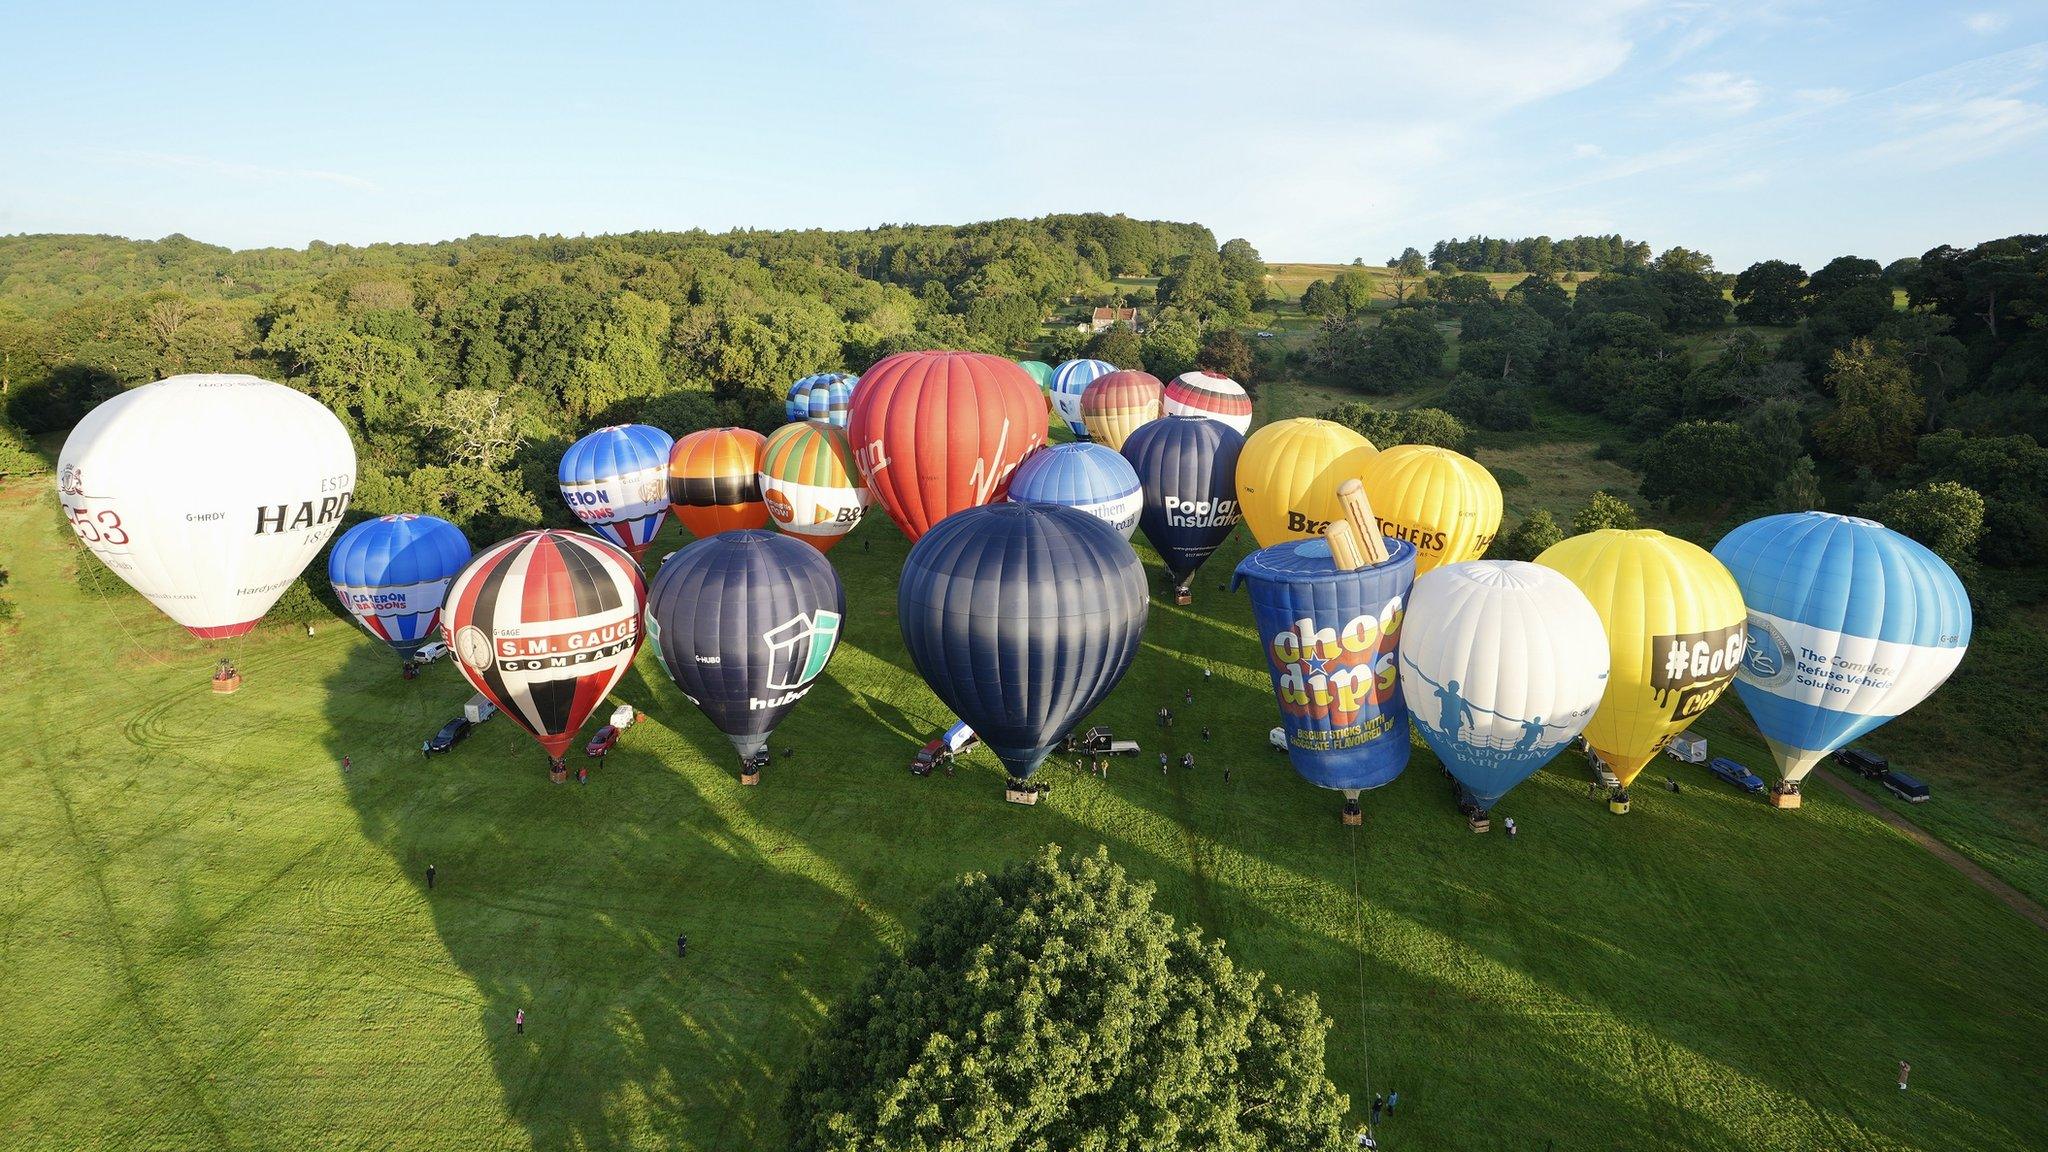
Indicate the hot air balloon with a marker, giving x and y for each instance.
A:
(936, 432)
(392, 574)
(1069, 380)
(743, 623)
(1674, 621)
(1022, 617)
(1089, 477)
(1115, 405)
(1850, 624)
(1188, 468)
(811, 485)
(1288, 474)
(616, 481)
(208, 494)
(1502, 664)
(714, 481)
(1210, 394)
(827, 396)
(1039, 371)
(1330, 637)
(545, 625)
(1442, 502)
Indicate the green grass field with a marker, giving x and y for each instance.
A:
(213, 937)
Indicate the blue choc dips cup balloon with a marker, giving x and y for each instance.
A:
(1329, 635)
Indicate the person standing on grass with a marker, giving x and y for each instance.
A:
(1162, 763)
(682, 945)
(519, 1021)
(1207, 672)
(346, 763)
(1511, 827)
(1205, 735)
(1188, 697)
(1379, 1104)
(1393, 1098)
(430, 877)
(1226, 773)
(1905, 1070)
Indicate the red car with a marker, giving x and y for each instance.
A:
(602, 742)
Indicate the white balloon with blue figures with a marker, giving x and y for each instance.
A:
(1502, 664)
(1850, 624)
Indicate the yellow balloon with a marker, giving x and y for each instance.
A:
(1440, 501)
(1287, 477)
(1675, 633)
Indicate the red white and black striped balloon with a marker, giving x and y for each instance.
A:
(544, 625)
(1210, 394)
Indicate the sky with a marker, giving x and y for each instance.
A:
(1319, 131)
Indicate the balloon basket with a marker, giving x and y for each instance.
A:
(1353, 815)
(225, 685)
(1183, 596)
(1479, 824)
(1617, 805)
(559, 773)
(1019, 792)
(750, 776)
(1784, 799)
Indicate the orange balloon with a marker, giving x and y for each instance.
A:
(714, 481)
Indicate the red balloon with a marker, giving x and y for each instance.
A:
(938, 432)
(544, 625)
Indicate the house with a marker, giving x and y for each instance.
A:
(1103, 318)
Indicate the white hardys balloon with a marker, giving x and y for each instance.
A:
(208, 494)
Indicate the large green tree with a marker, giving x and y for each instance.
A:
(1877, 413)
(1770, 292)
(1049, 1007)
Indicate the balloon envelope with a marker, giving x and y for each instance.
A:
(1089, 477)
(1210, 394)
(616, 481)
(811, 485)
(1673, 618)
(1115, 405)
(1288, 473)
(207, 494)
(1188, 468)
(744, 623)
(1441, 501)
(1022, 617)
(827, 396)
(1502, 664)
(1330, 637)
(1849, 625)
(544, 625)
(1069, 381)
(392, 575)
(938, 432)
(714, 481)
(1039, 371)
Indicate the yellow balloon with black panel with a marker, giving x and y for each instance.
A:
(1288, 473)
(1441, 501)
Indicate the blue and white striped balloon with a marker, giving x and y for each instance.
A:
(827, 396)
(1850, 624)
(392, 575)
(1069, 380)
(616, 481)
(1092, 478)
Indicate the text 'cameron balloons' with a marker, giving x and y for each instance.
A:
(1502, 663)
(1069, 381)
(1039, 371)
(1022, 617)
(714, 481)
(544, 625)
(743, 623)
(1088, 477)
(616, 481)
(392, 574)
(1442, 502)
(1850, 624)
(938, 432)
(1115, 405)
(827, 396)
(1673, 618)
(1288, 473)
(1210, 394)
(811, 485)
(1329, 637)
(207, 494)
(1188, 468)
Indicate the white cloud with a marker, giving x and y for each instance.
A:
(1587, 151)
(1986, 23)
(1821, 96)
(1719, 93)
(1940, 133)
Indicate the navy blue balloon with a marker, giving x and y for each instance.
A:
(744, 622)
(1022, 617)
(1188, 468)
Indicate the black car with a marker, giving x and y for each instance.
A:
(1868, 765)
(447, 738)
(1911, 789)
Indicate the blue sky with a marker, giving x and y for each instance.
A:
(1321, 131)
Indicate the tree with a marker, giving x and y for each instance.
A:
(1225, 350)
(1409, 263)
(1118, 345)
(1386, 428)
(1319, 299)
(1842, 274)
(1544, 295)
(1503, 342)
(1605, 511)
(1401, 351)
(1701, 463)
(1242, 263)
(1770, 292)
(1691, 290)
(1170, 347)
(1354, 289)
(1877, 411)
(1944, 515)
(1536, 532)
(1050, 1007)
